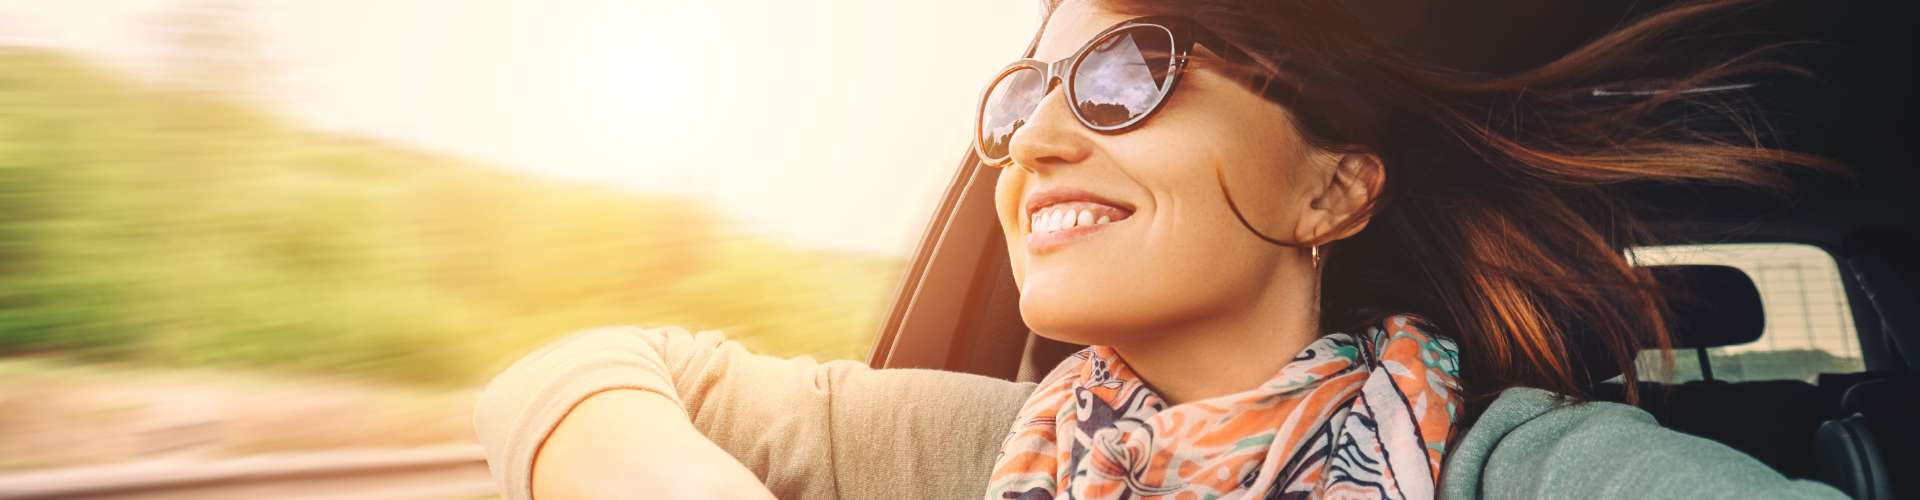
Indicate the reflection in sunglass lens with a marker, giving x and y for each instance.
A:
(1123, 76)
(1008, 106)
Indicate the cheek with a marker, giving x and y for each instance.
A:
(1182, 258)
(1007, 196)
(1245, 148)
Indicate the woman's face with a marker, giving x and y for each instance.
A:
(1171, 253)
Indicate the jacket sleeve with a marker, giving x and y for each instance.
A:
(1529, 444)
(808, 430)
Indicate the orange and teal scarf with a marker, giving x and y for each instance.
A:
(1365, 415)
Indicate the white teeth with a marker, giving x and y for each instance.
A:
(1054, 219)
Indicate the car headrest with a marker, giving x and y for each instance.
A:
(1713, 306)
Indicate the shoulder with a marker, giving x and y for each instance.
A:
(1535, 444)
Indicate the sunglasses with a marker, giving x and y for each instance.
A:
(1114, 83)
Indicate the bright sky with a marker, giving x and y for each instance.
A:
(833, 122)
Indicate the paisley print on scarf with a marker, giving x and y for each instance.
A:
(1364, 415)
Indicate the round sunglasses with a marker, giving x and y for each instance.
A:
(1113, 83)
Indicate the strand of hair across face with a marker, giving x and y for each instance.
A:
(1220, 175)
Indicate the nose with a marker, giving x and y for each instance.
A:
(1052, 137)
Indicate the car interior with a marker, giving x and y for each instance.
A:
(957, 307)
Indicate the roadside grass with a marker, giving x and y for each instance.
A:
(153, 226)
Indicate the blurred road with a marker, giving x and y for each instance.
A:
(437, 473)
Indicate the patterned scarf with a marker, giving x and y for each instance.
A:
(1352, 416)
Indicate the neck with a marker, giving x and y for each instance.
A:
(1230, 353)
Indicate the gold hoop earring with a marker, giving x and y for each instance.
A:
(1316, 256)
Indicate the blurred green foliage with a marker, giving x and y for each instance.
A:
(1793, 364)
(165, 226)
(1785, 364)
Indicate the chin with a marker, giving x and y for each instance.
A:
(1111, 307)
(1080, 316)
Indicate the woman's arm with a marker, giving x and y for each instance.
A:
(804, 429)
(636, 444)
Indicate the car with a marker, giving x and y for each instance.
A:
(957, 307)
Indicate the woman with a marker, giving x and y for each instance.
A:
(1280, 236)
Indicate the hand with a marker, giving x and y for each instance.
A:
(636, 444)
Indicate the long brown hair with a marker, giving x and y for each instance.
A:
(1507, 208)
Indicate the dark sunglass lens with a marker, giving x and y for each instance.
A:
(1008, 105)
(1124, 76)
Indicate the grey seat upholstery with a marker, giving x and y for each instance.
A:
(1870, 453)
(1854, 452)
(1850, 460)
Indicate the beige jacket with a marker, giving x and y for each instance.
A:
(841, 430)
(808, 430)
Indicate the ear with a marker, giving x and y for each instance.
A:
(1344, 204)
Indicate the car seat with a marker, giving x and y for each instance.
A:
(1869, 453)
(1772, 420)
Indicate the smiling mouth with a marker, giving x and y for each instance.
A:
(1073, 214)
(1059, 216)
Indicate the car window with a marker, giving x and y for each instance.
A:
(1809, 327)
(231, 228)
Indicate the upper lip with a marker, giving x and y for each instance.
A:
(1055, 196)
